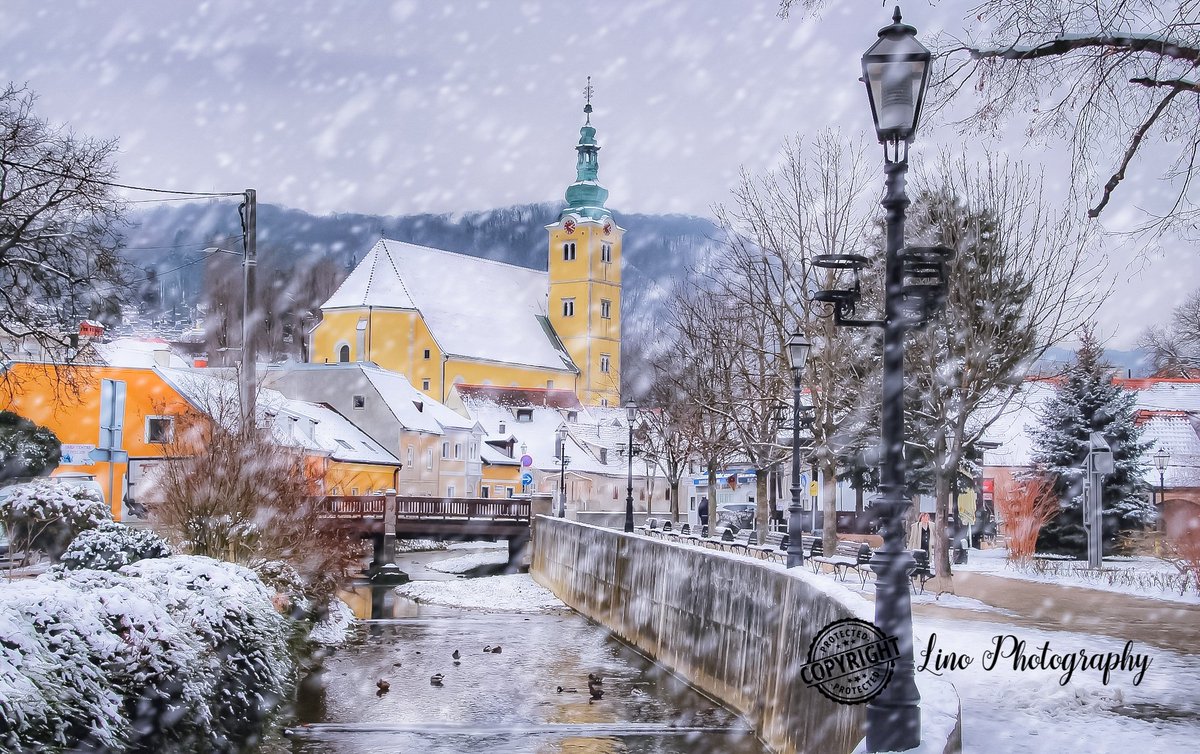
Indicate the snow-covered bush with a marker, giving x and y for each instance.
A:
(46, 515)
(167, 654)
(110, 546)
(333, 627)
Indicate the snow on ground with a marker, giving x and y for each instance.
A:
(1031, 710)
(1138, 576)
(511, 593)
(471, 560)
(334, 627)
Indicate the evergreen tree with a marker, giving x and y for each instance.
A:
(26, 449)
(1088, 401)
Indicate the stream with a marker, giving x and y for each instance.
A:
(505, 702)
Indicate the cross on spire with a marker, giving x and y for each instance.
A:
(588, 91)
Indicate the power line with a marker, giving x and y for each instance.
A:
(112, 184)
(160, 273)
(176, 246)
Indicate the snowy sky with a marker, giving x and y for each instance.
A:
(409, 106)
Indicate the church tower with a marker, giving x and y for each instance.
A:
(585, 276)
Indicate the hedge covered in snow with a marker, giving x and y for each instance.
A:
(111, 546)
(46, 515)
(165, 653)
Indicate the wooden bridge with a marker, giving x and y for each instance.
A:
(385, 517)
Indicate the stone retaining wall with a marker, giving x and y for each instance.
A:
(737, 629)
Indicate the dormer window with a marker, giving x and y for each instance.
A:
(572, 416)
(524, 415)
(360, 401)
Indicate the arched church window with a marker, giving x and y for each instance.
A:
(344, 354)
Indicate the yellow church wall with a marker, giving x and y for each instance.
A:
(506, 375)
(394, 339)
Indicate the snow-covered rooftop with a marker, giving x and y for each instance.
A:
(140, 353)
(475, 308)
(402, 400)
(334, 433)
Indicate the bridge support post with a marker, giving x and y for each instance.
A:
(383, 568)
(518, 547)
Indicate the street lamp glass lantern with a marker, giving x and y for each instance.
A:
(631, 410)
(798, 348)
(896, 72)
(1161, 459)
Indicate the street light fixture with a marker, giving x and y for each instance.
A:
(631, 411)
(798, 348)
(562, 473)
(896, 72)
(1161, 459)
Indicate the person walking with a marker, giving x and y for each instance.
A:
(702, 511)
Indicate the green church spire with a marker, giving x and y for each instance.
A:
(586, 197)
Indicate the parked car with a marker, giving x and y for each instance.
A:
(740, 515)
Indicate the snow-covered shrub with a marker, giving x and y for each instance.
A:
(46, 515)
(167, 654)
(246, 639)
(332, 628)
(110, 546)
(55, 692)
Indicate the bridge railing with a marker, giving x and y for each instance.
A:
(354, 506)
(462, 507)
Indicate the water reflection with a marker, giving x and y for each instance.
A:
(507, 702)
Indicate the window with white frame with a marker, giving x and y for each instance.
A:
(445, 450)
(450, 490)
(410, 456)
(427, 353)
(605, 309)
(429, 459)
(458, 450)
(568, 305)
(568, 251)
(605, 251)
(424, 384)
(524, 415)
(160, 429)
(605, 359)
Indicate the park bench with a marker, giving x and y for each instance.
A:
(921, 571)
(849, 556)
(743, 541)
(676, 532)
(811, 545)
(696, 535)
(650, 527)
(720, 536)
(774, 545)
(665, 530)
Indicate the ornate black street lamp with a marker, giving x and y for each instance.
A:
(798, 348)
(1161, 459)
(896, 72)
(563, 460)
(631, 410)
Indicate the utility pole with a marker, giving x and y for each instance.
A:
(249, 210)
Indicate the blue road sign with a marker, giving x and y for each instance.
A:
(526, 478)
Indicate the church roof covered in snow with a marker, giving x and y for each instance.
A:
(474, 308)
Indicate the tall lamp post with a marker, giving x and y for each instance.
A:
(896, 72)
(562, 472)
(1161, 459)
(631, 410)
(798, 348)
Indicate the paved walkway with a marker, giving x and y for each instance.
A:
(1170, 625)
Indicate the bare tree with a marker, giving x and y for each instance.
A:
(1021, 280)
(1100, 72)
(232, 491)
(1175, 348)
(818, 202)
(58, 232)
